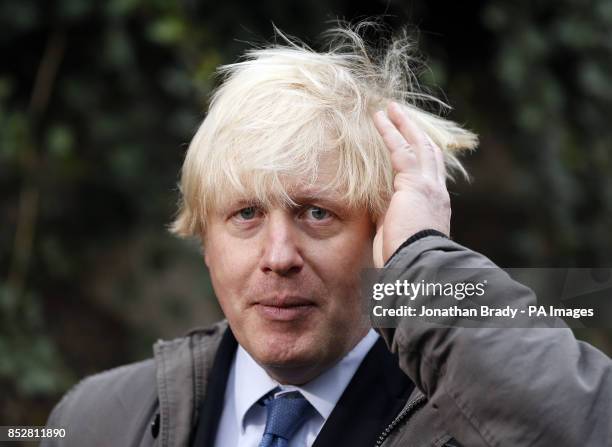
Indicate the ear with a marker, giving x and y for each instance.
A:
(203, 249)
(375, 223)
(204, 252)
(206, 260)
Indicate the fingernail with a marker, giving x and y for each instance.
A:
(380, 114)
(395, 107)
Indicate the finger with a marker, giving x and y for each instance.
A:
(403, 156)
(415, 137)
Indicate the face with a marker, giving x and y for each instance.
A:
(288, 279)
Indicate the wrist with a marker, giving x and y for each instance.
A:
(415, 237)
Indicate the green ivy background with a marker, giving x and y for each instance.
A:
(98, 101)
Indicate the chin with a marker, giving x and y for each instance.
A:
(286, 350)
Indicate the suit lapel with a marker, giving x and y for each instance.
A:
(375, 395)
(209, 411)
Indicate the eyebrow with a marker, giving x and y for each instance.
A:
(326, 201)
(300, 199)
(310, 197)
(230, 205)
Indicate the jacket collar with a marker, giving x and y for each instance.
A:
(211, 405)
(183, 366)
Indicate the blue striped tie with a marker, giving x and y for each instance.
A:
(285, 415)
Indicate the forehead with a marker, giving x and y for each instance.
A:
(286, 192)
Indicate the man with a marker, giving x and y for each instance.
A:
(308, 168)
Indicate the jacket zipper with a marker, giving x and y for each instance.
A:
(400, 418)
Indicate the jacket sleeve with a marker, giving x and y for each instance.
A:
(114, 407)
(500, 386)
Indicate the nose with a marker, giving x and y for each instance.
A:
(281, 252)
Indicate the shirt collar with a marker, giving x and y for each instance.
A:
(252, 382)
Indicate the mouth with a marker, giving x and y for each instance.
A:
(286, 308)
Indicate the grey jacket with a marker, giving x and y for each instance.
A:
(482, 387)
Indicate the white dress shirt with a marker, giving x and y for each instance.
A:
(243, 419)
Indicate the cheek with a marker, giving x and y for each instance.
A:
(230, 266)
(353, 252)
(340, 265)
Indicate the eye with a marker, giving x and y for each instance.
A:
(317, 213)
(248, 213)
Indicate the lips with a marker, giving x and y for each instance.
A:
(284, 308)
(285, 301)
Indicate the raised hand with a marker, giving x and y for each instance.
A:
(420, 199)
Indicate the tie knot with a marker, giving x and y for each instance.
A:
(285, 414)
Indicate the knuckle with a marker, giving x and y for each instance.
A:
(429, 187)
(434, 191)
(445, 201)
(404, 146)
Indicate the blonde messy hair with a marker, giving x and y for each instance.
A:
(282, 111)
